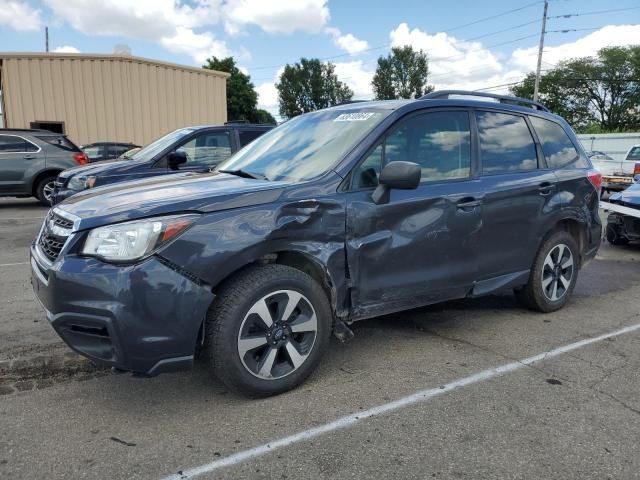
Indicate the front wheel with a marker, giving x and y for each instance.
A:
(553, 275)
(267, 330)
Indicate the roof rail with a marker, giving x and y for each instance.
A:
(40, 130)
(440, 94)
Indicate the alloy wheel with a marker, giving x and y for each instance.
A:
(557, 272)
(47, 190)
(277, 334)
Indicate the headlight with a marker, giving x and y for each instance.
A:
(129, 241)
(81, 182)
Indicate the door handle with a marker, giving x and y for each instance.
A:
(546, 188)
(468, 204)
(29, 156)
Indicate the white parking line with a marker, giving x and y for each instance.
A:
(13, 264)
(418, 397)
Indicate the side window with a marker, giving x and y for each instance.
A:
(95, 152)
(440, 142)
(506, 144)
(116, 150)
(557, 147)
(248, 136)
(366, 174)
(443, 147)
(14, 144)
(207, 148)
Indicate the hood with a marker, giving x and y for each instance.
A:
(629, 197)
(106, 167)
(168, 194)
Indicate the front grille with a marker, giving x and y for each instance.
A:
(54, 235)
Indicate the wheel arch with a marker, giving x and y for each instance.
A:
(41, 175)
(300, 260)
(577, 229)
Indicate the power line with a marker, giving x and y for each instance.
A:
(597, 12)
(457, 27)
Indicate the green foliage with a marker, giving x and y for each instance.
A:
(402, 74)
(242, 99)
(262, 116)
(593, 93)
(309, 85)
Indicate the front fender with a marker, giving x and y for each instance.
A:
(223, 242)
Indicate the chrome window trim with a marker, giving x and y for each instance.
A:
(23, 138)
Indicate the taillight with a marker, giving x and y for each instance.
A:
(81, 158)
(636, 169)
(595, 177)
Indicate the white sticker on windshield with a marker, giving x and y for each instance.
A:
(354, 117)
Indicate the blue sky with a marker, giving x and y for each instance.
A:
(265, 34)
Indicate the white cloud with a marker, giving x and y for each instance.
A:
(268, 94)
(357, 77)
(450, 60)
(19, 16)
(199, 45)
(66, 49)
(276, 16)
(171, 23)
(348, 42)
(609, 36)
(457, 64)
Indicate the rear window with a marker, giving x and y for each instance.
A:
(506, 144)
(62, 143)
(557, 147)
(634, 154)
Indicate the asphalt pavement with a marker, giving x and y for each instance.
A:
(453, 390)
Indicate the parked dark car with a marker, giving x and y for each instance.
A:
(30, 160)
(100, 151)
(621, 227)
(192, 149)
(335, 216)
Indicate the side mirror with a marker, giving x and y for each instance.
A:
(399, 175)
(175, 159)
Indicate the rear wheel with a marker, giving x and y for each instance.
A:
(553, 275)
(44, 190)
(267, 330)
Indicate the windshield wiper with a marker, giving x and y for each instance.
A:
(245, 174)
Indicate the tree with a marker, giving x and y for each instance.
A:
(593, 93)
(310, 85)
(262, 116)
(402, 74)
(242, 98)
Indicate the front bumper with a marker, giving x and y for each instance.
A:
(143, 318)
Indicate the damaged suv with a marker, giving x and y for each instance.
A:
(338, 215)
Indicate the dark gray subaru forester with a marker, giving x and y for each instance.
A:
(335, 216)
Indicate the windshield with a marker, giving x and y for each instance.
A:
(155, 147)
(306, 146)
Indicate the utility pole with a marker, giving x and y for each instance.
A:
(540, 47)
(46, 39)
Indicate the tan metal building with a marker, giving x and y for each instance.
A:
(96, 98)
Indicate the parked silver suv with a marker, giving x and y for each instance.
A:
(30, 161)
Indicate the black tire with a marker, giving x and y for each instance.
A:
(42, 190)
(230, 310)
(534, 295)
(614, 238)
